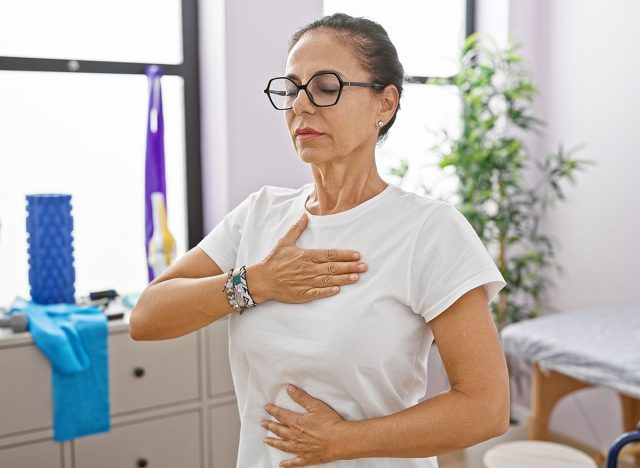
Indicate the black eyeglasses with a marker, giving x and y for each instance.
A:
(323, 89)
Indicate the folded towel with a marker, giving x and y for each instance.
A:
(74, 339)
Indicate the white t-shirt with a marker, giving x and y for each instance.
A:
(364, 350)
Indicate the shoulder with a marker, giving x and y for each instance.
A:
(422, 210)
(434, 222)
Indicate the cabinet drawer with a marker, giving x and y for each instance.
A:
(220, 380)
(224, 424)
(169, 442)
(45, 454)
(150, 373)
(25, 390)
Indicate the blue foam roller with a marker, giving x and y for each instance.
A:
(52, 273)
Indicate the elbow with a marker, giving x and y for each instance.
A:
(493, 416)
(501, 418)
(136, 329)
(139, 329)
(488, 428)
(502, 426)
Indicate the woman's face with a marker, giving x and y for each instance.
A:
(350, 126)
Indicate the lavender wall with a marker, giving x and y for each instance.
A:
(245, 141)
(581, 53)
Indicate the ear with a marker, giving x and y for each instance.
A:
(387, 103)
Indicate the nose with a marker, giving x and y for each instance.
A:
(302, 103)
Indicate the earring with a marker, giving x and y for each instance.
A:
(380, 123)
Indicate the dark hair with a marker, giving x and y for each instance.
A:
(376, 52)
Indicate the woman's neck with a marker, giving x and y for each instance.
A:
(336, 194)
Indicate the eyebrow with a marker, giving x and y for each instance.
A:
(295, 77)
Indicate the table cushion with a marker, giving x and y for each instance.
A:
(600, 346)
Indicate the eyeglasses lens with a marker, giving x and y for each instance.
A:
(324, 90)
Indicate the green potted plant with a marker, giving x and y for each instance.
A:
(496, 191)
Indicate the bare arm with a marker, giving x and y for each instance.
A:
(474, 409)
(186, 297)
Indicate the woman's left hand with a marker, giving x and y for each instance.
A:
(312, 436)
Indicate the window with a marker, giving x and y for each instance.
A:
(428, 35)
(84, 132)
(144, 31)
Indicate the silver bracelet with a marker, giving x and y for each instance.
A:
(228, 288)
(237, 290)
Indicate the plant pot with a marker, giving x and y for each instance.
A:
(517, 431)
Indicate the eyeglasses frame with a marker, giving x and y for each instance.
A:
(343, 83)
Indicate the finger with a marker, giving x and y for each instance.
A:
(317, 293)
(335, 280)
(301, 397)
(333, 255)
(295, 230)
(293, 462)
(284, 416)
(280, 430)
(280, 444)
(337, 268)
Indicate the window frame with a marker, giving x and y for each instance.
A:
(188, 70)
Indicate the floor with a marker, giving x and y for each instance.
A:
(456, 459)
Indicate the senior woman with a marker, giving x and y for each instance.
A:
(336, 290)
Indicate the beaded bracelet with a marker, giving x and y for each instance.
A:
(238, 291)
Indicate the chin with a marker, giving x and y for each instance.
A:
(313, 155)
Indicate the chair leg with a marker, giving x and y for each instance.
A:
(630, 420)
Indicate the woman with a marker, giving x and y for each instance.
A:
(348, 280)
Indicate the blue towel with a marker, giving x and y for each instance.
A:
(74, 339)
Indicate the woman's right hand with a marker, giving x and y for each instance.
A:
(294, 275)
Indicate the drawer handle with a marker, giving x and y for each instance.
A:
(142, 462)
(139, 372)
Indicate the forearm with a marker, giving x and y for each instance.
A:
(446, 422)
(178, 306)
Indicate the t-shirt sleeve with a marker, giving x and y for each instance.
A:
(221, 243)
(449, 260)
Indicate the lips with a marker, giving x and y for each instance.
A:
(307, 131)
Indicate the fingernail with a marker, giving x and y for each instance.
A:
(353, 276)
(356, 255)
(290, 387)
(362, 267)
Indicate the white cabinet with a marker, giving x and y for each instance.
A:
(168, 442)
(25, 390)
(147, 374)
(172, 404)
(45, 454)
